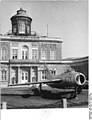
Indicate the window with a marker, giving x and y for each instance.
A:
(53, 72)
(14, 50)
(4, 74)
(14, 29)
(52, 54)
(21, 27)
(24, 76)
(34, 53)
(25, 52)
(14, 53)
(43, 75)
(4, 53)
(43, 54)
(28, 29)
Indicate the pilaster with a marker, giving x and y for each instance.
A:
(10, 75)
(30, 74)
(19, 75)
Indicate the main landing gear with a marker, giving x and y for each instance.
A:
(74, 93)
(40, 88)
(77, 90)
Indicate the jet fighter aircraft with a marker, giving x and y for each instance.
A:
(65, 80)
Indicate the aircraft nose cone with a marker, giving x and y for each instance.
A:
(80, 79)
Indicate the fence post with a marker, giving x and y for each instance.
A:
(64, 103)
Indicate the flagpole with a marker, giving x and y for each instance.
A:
(0, 28)
(47, 30)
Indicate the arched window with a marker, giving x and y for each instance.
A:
(4, 53)
(25, 52)
(21, 27)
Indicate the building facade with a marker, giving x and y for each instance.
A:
(23, 52)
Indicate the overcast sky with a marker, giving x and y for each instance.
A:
(66, 19)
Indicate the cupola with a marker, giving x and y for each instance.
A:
(21, 23)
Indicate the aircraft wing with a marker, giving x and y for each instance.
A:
(50, 81)
(40, 82)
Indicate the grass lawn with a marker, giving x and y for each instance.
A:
(15, 99)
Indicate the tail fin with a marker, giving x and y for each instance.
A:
(48, 74)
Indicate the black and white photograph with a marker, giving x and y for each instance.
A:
(44, 59)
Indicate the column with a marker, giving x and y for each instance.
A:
(48, 52)
(30, 74)
(39, 74)
(39, 51)
(10, 75)
(19, 75)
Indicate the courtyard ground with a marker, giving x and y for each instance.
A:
(24, 98)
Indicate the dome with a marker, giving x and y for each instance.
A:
(21, 13)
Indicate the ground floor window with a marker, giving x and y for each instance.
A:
(24, 76)
(4, 75)
(43, 75)
(53, 72)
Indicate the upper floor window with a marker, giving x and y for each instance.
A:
(4, 53)
(21, 27)
(14, 53)
(14, 28)
(34, 54)
(25, 52)
(52, 54)
(14, 50)
(52, 51)
(4, 75)
(43, 54)
(28, 29)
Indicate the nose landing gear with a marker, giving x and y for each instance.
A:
(76, 91)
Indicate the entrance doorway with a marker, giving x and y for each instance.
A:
(24, 77)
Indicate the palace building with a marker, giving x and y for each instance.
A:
(23, 52)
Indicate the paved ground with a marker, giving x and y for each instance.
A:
(24, 98)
